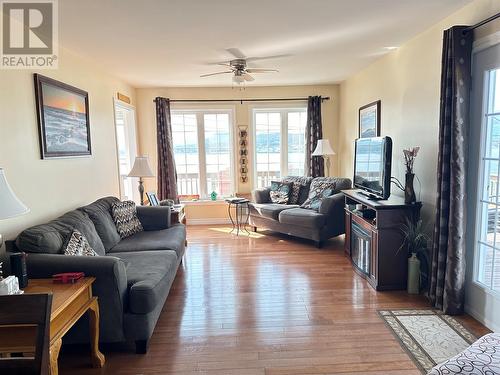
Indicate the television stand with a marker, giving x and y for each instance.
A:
(370, 196)
(373, 237)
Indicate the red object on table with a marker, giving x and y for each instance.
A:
(67, 278)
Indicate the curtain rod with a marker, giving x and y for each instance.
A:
(239, 100)
(481, 23)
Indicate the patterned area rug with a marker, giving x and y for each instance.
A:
(428, 336)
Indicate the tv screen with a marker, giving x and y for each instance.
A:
(372, 166)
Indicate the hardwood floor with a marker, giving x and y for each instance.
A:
(269, 305)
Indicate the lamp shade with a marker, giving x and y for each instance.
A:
(323, 148)
(10, 205)
(141, 168)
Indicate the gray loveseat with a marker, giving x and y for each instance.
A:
(317, 225)
(133, 275)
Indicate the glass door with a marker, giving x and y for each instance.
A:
(483, 228)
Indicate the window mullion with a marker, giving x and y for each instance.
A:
(200, 123)
(284, 143)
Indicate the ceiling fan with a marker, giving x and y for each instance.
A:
(238, 66)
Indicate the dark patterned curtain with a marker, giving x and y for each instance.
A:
(447, 288)
(314, 131)
(167, 175)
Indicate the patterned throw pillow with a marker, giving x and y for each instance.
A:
(295, 195)
(300, 188)
(125, 218)
(280, 192)
(319, 190)
(78, 245)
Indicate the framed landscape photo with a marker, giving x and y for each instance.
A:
(63, 119)
(369, 120)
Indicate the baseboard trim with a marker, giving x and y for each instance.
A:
(480, 317)
(209, 221)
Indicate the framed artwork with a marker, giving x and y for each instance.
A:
(369, 120)
(63, 119)
(152, 198)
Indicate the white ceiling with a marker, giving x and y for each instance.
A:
(171, 42)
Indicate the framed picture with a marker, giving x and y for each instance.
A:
(63, 119)
(369, 120)
(152, 198)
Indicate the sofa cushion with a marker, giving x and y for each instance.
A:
(269, 210)
(149, 276)
(302, 217)
(125, 217)
(100, 214)
(78, 245)
(172, 238)
(50, 238)
(300, 189)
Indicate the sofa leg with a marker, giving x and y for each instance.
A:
(319, 244)
(254, 229)
(141, 346)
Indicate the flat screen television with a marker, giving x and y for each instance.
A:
(372, 166)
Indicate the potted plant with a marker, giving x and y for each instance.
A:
(416, 242)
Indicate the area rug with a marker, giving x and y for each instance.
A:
(428, 336)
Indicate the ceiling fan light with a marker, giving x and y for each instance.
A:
(238, 79)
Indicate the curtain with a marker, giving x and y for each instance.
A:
(167, 175)
(447, 289)
(314, 131)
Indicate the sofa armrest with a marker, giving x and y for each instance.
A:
(154, 217)
(110, 285)
(261, 195)
(333, 206)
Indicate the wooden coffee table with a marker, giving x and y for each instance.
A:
(69, 303)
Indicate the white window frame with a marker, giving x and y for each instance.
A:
(131, 140)
(283, 109)
(480, 191)
(200, 112)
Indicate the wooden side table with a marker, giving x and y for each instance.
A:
(69, 303)
(178, 214)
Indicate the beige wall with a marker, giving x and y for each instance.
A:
(407, 81)
(52, 187)
(147, 123)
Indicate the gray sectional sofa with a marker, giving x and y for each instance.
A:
(133, 275)
(317, 225)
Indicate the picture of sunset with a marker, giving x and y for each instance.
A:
(65, 129)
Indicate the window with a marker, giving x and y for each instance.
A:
(203, 152)
(279, 136)
(488, 236)
(127, 148)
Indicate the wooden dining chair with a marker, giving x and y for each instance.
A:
(17, 313)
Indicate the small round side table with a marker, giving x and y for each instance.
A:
(241, 214)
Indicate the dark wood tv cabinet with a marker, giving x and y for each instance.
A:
(373, 237)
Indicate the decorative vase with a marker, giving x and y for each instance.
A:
(413, 286)
(409, 191)
(213, 196)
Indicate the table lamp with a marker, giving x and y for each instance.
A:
(324, 149)
(141, 169)
(10, 205)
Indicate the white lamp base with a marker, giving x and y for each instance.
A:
(327, 165)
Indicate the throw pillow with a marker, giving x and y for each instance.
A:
(78, 245)
(319, 190)
(125, 218)
(295, 194)
(280, 192)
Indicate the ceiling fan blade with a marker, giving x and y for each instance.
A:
(214, 74)
(247, 77)
(236, 53)
(267, 57)
(261, 70)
